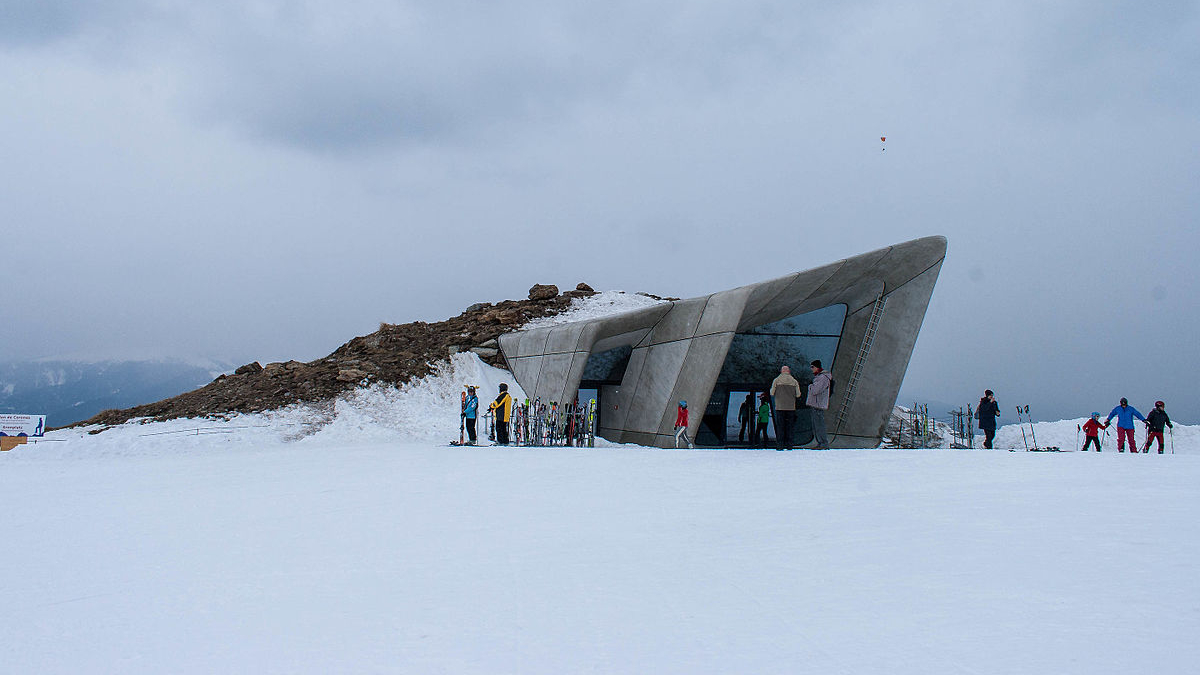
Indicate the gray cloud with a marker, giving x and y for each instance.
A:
(266, 180)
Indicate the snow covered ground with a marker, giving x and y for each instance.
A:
(352, 539)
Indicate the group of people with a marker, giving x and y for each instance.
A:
(1155, 422)
(790, 398)
(501, 409)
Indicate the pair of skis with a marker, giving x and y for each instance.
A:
(1023, 418)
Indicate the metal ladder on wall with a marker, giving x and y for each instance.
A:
(863, 350)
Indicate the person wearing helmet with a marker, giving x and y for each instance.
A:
(681, 425)
(1155, 422)
(1091, 429)
(1125, 414)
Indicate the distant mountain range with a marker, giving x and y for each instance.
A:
(68, 391)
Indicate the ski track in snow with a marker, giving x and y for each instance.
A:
(350, 539)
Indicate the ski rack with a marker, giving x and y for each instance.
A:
(537, 424)
(860, 360)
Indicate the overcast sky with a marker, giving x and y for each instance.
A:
(265, 180)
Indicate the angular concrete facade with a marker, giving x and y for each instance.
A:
(862, 313)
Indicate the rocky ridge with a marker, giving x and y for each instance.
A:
(394, 354)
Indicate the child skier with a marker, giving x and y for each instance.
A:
(1091, 429)
(1154, 426)
(681, 425)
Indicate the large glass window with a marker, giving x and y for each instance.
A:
(607, 367)
(755, 356)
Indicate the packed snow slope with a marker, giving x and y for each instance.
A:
(351, 539)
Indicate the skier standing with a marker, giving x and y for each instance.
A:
(470, 412)
(986, 413)
(818, 402)
(1154, 426)
(502, 409)
(1091, 429)
(786, 390)
(1125, 414)
(681, 425)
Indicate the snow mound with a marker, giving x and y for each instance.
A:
(1064, 434)
(424, 410)
(605, 303)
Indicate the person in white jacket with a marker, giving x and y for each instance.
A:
(818, 401)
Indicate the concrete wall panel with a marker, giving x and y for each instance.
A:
(655, 386)
(905, 261)
(552, 380)
(723, 311)
(781, 306)
(680, 323)
(525, 371)
(564, 338)
(629, 322)
(533, 342)
(629, 386)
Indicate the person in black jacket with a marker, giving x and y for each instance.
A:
(1154, 426)
(986, 413)
(746, 417)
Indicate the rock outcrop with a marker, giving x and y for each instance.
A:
(395, 354)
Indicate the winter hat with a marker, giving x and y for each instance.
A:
(1124, 400)
(987, 392)
(503, 387)
(816, 364)
(1159, 404)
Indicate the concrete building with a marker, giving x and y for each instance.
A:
(859, 316)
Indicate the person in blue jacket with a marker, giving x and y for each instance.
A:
(1125, 414)
(471, 411)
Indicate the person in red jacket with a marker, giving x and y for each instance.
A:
(1091, 429)
(681, 425)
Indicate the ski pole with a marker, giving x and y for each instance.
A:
(1031, 432)
(1172, 440)
(1021, 423)
(1077, 430)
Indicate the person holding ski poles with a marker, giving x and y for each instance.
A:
(1124, 414)
(681, 425)
(502, 409)
(986, 413)
(1154, 426)
(1091, 429)
(470, 413)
